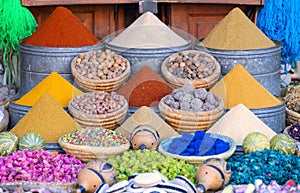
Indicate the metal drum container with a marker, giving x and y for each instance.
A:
(37, 62)
(274, 117)
(262, 64)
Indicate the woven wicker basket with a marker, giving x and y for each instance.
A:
(108, 121)
(54, 187)
(107, 85)
(296, 141)
(88, 153)
(163, 146)
(188, 121)
(292, 117)
(5, 121)
(178, 82)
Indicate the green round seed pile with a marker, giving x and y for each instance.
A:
(95, 137)
(266, 165)
(141, 161)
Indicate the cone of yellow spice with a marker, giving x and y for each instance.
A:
(238, 86)
(55, 85)
(48, 118)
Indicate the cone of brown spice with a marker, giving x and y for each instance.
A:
(236, 32)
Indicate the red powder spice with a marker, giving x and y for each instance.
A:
(62, 29)
(149, 93)
(145, 88)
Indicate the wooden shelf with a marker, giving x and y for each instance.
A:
(89, 2)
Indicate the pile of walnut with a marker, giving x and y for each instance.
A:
(98, 102)
(292, 99)
(188, 98)
(100, 65)
(192, 65)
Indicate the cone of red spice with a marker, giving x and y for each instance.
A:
(145, 88)
(62, 29)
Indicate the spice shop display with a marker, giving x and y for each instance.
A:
(237, 40)
(197, 147)
(147, 42)
(145, 88)
(99, 109)
(100, 70)
(60, 38)
(146, 116)
(144, 137)
(195, 67)
(51, 122)
(238, 122)
(94, 142)
(188, 109)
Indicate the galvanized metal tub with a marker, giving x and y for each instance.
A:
(37, 62)
(274, 117)
(140, 57)
(262, 64)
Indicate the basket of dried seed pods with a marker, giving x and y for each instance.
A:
(99, 109)
(100, 70)
(191, 66)
(188, 109)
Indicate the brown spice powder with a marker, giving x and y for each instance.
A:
(145, 88)
(236, 32)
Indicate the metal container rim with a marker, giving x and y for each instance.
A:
(277, 47)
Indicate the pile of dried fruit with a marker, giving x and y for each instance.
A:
(100, 65)
(191, 65)
(39, 166)
(98, 102)
(190, 99)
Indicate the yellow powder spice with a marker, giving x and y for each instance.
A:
(55, 85)
(238, 86)
(236, 32)
(48, 118)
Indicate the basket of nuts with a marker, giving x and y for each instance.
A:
(189, 109)
(99, 109)
(191, 67)
(100, 70)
